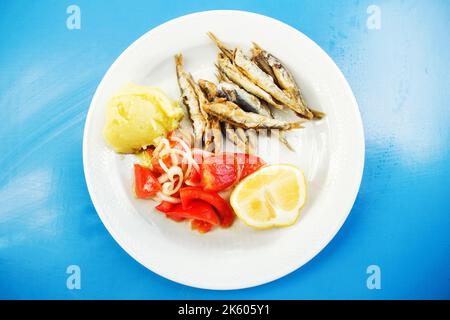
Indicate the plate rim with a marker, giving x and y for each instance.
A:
(358, 176)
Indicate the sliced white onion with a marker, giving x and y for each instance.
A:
(169, 188)
(174, 158)
(173, 172)
(185, 156)
(188, 170)
(163, 165)
(163, 178)
(188, 155)
(183, 163)
(164, 144)
(183, 144)
(170, 199)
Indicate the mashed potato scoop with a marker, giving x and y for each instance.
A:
(137, 115)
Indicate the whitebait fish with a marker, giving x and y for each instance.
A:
(263, 75)
(234, 74)
(284, 78)
(245, 100)
(266, 82)
(230, 112)
(208, 137)
(189, 99)
(237, 139)
(212, 94)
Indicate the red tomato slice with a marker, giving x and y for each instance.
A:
(157, 167)
(175, 217)
(197, 209)
(201, 226)
(223, 208)
(219, 172)
(165, 206)
(248, 164)
(194, 178)
(146, 184)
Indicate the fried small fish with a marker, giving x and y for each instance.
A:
(250, 69)
(190, 100)
(226, 67)
(284, 78)
(202, 101)
(242, 98)
(216, 133)
(249, 103)
(235, 135)
(226, 51)
(209, 88)
(232, 113)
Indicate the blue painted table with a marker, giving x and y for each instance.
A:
(395, 54)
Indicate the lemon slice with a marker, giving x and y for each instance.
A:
(271, 197)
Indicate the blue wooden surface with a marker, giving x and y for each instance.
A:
(400, 75)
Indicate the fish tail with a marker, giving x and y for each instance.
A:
(295, 125)
(252, 140)
(220, 45)
(284, 141)
(179, 60)
(317, 115)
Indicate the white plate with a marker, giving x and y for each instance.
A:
(331, 152)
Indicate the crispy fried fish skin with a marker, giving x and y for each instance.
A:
(230, 71)
(242, 98)
(260, 107)
(266, 82)
(216, 133)
(246, 101)
(209, 89)
(231, 134)
(212, 95)
(207, 92)
(230, 112)
(283, 77)
(208, 136)
(190, 100)
(221, 76)
(262, 63)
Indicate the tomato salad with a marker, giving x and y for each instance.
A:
(186, 181)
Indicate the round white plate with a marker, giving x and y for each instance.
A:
(331, 152)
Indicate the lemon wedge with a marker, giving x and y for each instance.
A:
(271, 197)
